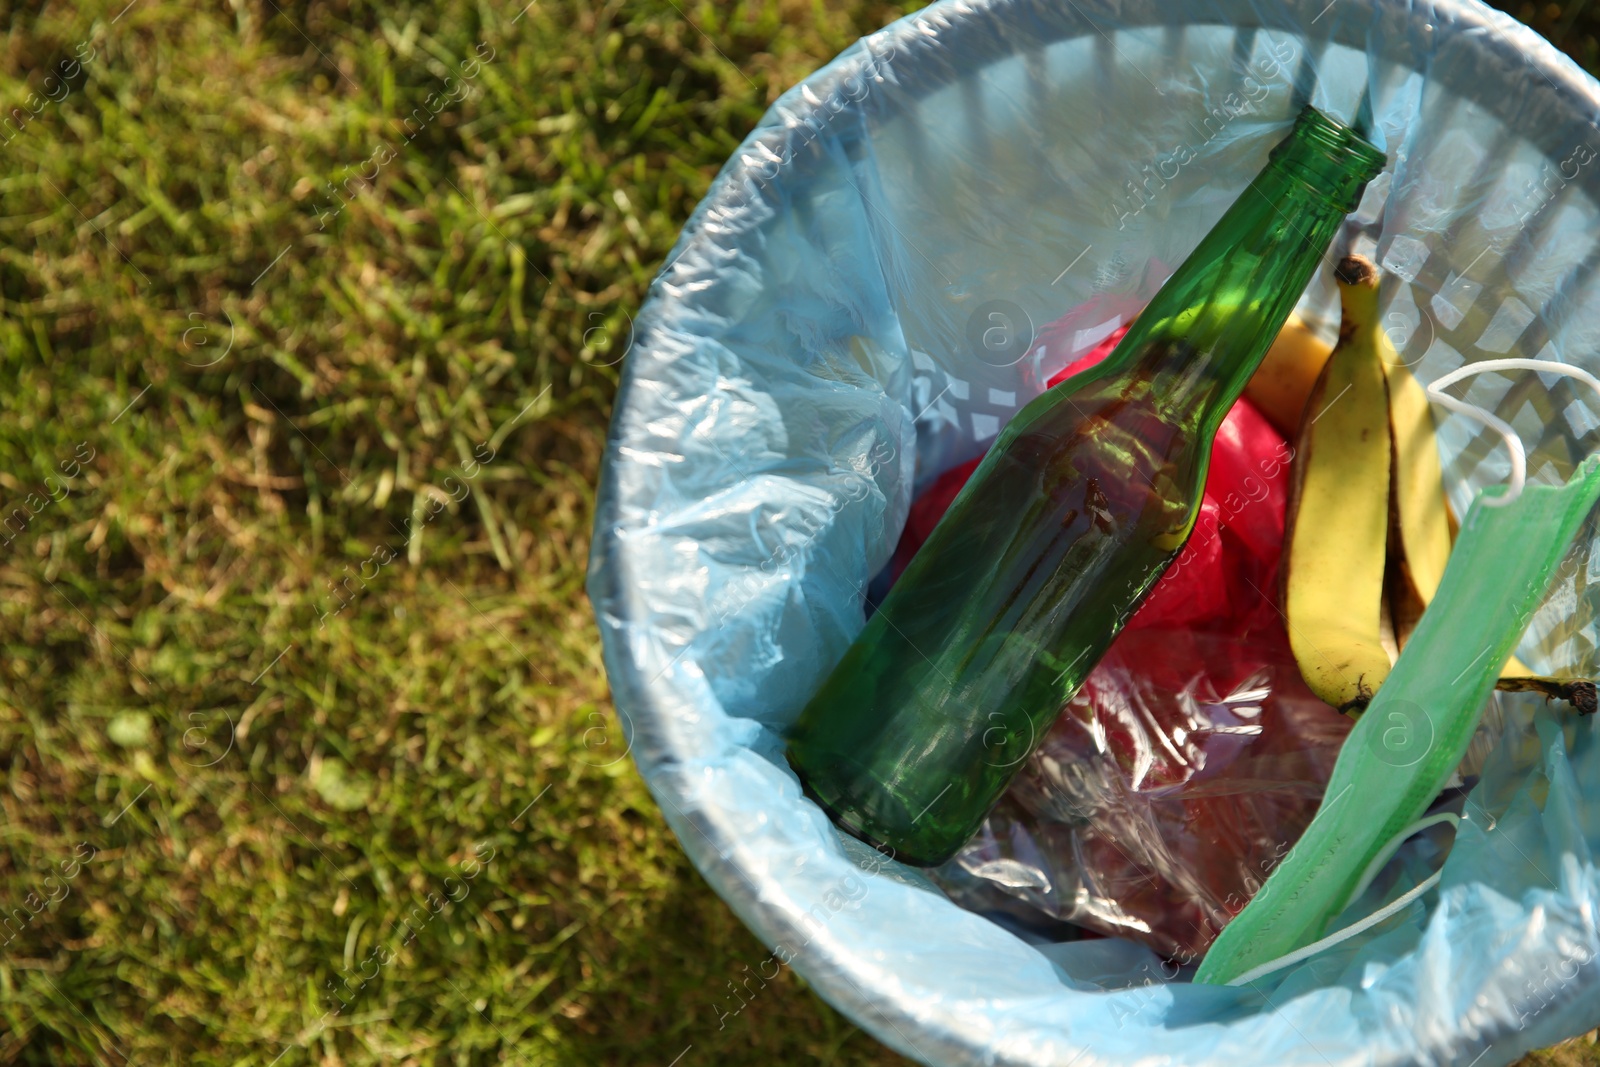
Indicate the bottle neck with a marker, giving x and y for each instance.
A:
(1204, 334)
(1197, 343)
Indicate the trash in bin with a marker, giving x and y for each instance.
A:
(1418, 727)
(1104, 826)
(1064, 528)
(1193, 756)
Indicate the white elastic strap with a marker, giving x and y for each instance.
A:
(1388, 851)
(1399, 904)
(1519, 455)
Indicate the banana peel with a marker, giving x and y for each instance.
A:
(1423, 530)
(1337, 528)
(1421, 512)
(1333, 545)
(1288, 373)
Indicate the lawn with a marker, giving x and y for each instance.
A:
(312, 317)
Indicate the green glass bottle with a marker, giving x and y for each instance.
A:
(1067, 523)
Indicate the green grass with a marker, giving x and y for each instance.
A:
(270, 380)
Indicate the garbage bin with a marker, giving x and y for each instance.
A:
(898, 257)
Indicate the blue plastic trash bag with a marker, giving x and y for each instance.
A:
(895, 260)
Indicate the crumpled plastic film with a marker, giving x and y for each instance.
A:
(807, 360)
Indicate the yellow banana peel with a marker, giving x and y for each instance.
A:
(1369, 526)
(1288, 373)
(1338, 518)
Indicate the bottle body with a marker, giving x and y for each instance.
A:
(966, 664)
(1067, 523)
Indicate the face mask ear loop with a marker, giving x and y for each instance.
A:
(1397, 905)
(1519, 455)
(1393, 846)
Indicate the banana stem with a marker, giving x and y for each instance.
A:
(1580, 694)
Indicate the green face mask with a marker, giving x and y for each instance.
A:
(1417, 729)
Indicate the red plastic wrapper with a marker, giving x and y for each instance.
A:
(1193, 756)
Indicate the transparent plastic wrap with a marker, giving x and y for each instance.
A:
(804, 366)
(1159, 804)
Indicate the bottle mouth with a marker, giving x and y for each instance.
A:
(1333, 155)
